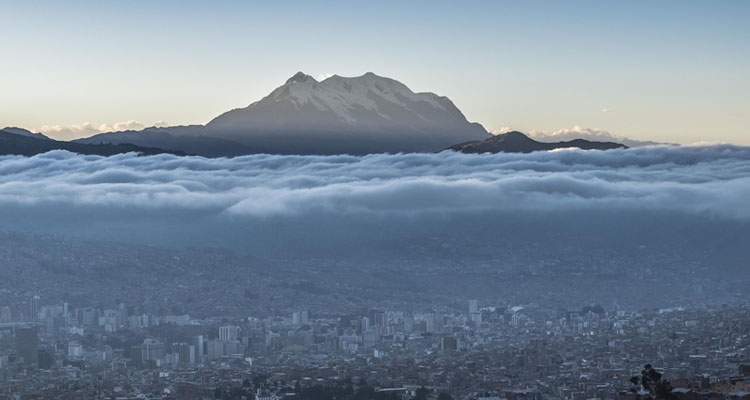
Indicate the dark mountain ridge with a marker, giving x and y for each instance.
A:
(14, 143)
(517, 142)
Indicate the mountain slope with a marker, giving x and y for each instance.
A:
(25, 132)
(26, 145)
(366, 114)
(188, 139)
(517, 142)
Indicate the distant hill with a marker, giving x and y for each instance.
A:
(22, 142)
(360, 115)
(25, 132)
(188, 139)
(517, 142)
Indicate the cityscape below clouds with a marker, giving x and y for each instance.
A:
(374, 201)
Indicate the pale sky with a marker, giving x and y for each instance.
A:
(665, 71)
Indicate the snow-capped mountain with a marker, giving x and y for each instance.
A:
(366, 114)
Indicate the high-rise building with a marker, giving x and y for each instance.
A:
(27, 344)
(368, 338)
(87, 316)
(229, 333)
(377, 317)
(185, 352)
(45, 358)
(150, 353)
(138, 321)
(36, 307)
(473, 306)
(198, 343)
(408, 324)
(300, 318)
(429, 321)
(474, 314)
(214, 349)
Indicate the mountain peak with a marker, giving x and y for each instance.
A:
(373, 105)
(356, 115)
(300, 77)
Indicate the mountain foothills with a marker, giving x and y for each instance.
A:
(22, 142)
(338, 115)
(517, 142)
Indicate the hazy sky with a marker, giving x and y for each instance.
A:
(667, 71)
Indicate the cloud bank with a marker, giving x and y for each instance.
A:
(699, 180)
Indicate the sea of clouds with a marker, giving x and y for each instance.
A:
(707, 180)
(387, 204)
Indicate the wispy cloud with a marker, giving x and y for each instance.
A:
(87, 129)
(579, 132)
(504, 129)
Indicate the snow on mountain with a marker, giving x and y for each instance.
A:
(343, 96)
(379, 111)
(360, 115)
